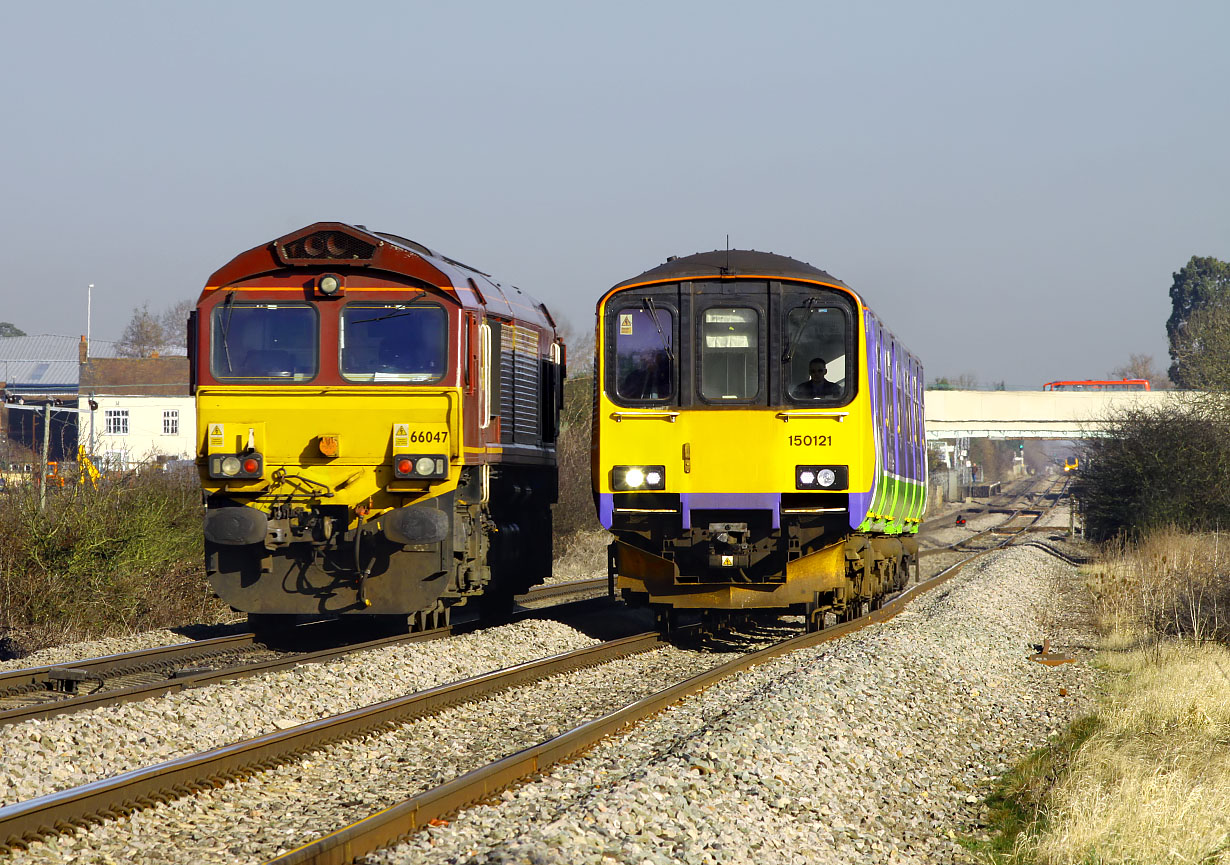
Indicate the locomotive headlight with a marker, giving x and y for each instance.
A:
(632, 478)
(821, 477)
(329, 284)
(231, 466)
(429, 467)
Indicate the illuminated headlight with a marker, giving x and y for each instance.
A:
(431, 467)
(244, 466)
(821, 477)
(636, 478)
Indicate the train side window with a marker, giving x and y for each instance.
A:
(815, 357)
(644, 353)
(729, 353)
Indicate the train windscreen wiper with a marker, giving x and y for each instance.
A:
(810, 306)
(647, 305)
(392, 314)
(229, 303)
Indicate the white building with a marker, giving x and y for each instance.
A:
(125, 431)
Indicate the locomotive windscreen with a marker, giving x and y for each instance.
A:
(264, 340)
(394, 342)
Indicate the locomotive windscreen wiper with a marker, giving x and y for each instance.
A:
(226, 329)
(391, 314)
(647, 305)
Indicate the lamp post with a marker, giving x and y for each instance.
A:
(89, 303)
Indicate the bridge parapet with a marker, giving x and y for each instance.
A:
(952, 414)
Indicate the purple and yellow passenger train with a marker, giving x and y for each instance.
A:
(758, 441)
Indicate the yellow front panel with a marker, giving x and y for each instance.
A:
(364, 423)
(734, 451)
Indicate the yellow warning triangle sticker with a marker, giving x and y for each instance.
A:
(215, 429)
(401, 429)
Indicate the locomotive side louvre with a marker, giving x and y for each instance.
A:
(732, 477)
(355, 451)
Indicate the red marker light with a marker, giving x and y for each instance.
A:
(250, 465)
(405, 467)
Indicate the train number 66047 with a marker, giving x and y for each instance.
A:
(809, 441)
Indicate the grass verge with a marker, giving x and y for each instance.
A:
(1146, 778)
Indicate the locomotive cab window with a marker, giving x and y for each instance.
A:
(644, 368)
(397, 342)
(264, 341)
(729, 354)
(815, 360)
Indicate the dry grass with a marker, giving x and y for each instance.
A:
(1152, 784)
(93, 563)
(1169, 585)
(1149, 777)
(581, 556)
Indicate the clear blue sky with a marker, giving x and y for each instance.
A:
(1010, 185)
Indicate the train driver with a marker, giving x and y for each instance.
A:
(816, 386)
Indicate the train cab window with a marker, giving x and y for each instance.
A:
(729, 354)
(264, 340)
(394, 342)
(815, 356)
(644, 353)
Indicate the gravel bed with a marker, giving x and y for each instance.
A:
(254, 820)
(70, 652)
(876, 748)
(42, 757)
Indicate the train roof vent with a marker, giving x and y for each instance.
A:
(326, 246)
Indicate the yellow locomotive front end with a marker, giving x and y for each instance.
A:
(339, 501)
(376, 431)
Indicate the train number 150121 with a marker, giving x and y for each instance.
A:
(810, 441)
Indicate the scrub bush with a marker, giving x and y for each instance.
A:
(1158, 467)
(93, 563)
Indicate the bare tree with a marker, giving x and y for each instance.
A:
(1141, 366)
(580, 345)
(143, 336)
(174, 322)
(147, 333)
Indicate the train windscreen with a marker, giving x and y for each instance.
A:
(394, 342)
(264, 340)
(815, 359)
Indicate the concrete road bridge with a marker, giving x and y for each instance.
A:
(1015, 414)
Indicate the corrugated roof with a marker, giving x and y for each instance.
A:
(51, 347)
(52, 361)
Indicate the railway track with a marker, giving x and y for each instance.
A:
(43, 692)
(19, 823)
(412, 815)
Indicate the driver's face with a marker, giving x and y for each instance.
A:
(816, 371)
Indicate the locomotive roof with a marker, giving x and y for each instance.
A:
(391, 253)
(732, 262)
